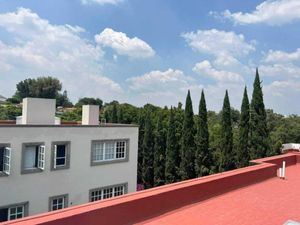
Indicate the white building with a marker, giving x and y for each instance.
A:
(46, 166)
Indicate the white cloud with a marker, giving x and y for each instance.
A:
(163, 87)
(281, 56)
(271, 12)
(205, 68)
(101, 2)
(283, 95)
(218, 42)
(123, 45)
(280, 70)
(44, 49)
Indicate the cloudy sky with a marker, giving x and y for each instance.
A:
(141, 51)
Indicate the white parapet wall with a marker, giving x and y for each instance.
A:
(290, 146)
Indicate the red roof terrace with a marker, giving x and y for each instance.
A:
(250, 195)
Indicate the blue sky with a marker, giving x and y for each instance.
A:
(142, 52)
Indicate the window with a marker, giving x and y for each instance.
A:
(5, 156)
(108, 151)
(33, 158)
(60, 155)
(58, 202)
(107, 192)
(13, 212)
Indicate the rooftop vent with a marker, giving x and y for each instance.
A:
(90, 115)
(38, 111)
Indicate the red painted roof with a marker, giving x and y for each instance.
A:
(251, 195)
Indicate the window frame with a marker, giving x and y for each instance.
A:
(25, 206)
(114, 160)
(101, 189)
(40, 166)
(53, 155)
(65, 203)
(3, 173)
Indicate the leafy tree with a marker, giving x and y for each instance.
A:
(187, 168)
(141, 122)
(159, 153)
(42, 87)
(148, 155)
(242, 155)
(259, 135)
(172, 153)
(114, 116)
(226, 153)
(120, 115)
(10, 111)
(89, 101)
(63, 100)
(203, 159)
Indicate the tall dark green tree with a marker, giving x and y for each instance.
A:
(226, 153)
(114, 115)
(120, 115)
(187, 167)
(148, 154)
(159, 153)
(242, 154)
(259, 135)
(203, 158)
(141, 122)
(172, 154)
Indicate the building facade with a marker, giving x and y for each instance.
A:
(45, 166)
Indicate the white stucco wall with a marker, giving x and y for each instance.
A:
(36, 188)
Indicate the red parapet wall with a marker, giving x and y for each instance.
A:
(143, 205)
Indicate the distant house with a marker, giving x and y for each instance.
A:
(2, 99)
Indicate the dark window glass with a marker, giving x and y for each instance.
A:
(61, 151)
(1, 159)
(3, 215)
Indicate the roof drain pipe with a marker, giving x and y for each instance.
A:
(282, 171)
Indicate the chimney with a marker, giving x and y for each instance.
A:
(90, 115)
(38, 111)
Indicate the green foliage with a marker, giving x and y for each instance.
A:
(89, 101)
(120, 115)
(187, 168)
(10, 111)
(159, 153)
(114, 115)
(226, 161)
(63, 100)
(259, 135)
(148, 154)
(203, 158)
(42, 87)
(172, 151)
(73, 115)
(242, 155)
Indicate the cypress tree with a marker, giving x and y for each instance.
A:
(178, 117)
(226, 153)
(259, 143)
(171, 153)
(159, 153)
(187, 168)
(242, 155)
(114, 116)
(148, 153)
(203, 159)
(141, 123)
